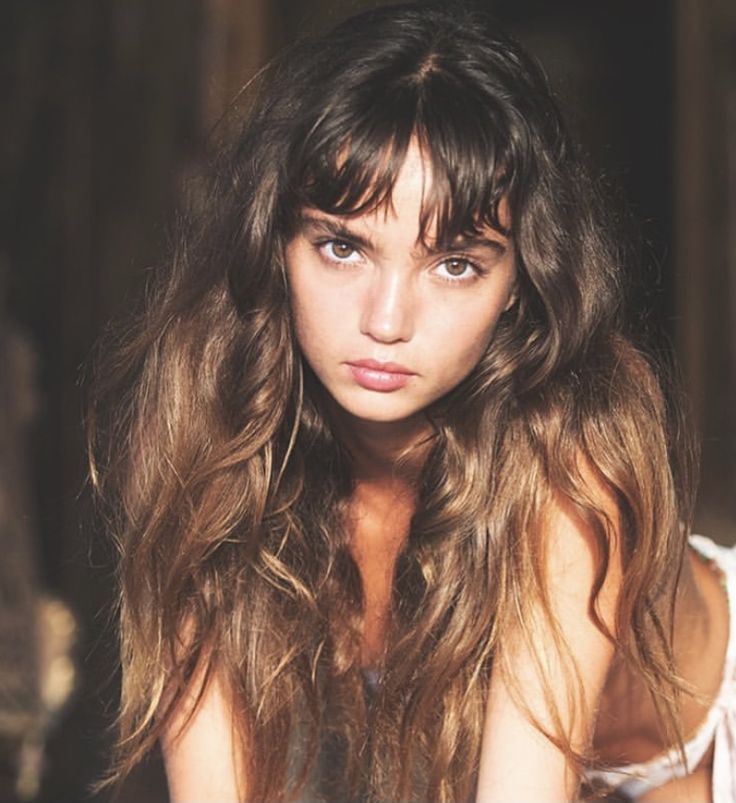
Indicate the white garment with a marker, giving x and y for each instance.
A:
(719, 727)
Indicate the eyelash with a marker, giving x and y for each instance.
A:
(477, 270)
(321, 246)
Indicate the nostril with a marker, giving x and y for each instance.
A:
(387, 329)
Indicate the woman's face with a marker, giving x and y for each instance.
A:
(387, 324)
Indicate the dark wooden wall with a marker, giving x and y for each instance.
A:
(705, 245)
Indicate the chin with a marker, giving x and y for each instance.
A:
(380, 416)
(381, 409)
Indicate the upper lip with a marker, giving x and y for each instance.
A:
(377, 365)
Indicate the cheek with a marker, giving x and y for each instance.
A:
(465, 344)
(305, 324)
(316, 319)
(471, 350)
(467, 335)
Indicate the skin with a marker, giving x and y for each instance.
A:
(366, 288)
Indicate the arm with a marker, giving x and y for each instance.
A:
(517, 762)
(200, 755)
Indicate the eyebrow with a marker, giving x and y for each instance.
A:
(340, 230)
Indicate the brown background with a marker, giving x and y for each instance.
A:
(106, 110)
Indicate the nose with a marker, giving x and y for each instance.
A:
(388, 308)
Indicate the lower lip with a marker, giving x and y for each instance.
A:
(382, 381)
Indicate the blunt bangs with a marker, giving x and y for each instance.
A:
(350, 159)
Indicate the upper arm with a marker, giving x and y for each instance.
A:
(200, 749)
(517, 761)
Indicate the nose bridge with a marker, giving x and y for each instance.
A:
(388, 310)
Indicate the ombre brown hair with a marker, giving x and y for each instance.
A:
(226, 488)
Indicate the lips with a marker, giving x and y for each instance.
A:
(383, 377)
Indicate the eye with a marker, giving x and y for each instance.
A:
(457, 269)
(338, 251)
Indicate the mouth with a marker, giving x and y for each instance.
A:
(383, 377)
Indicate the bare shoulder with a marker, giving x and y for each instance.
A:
(200, 747)
(550, 678)
(583, 546)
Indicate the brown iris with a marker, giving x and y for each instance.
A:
(456, 267)
(341, 250)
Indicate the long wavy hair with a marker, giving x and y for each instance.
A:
(225, 485)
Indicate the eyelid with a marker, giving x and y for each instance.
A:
(479, 270)
(320, 243)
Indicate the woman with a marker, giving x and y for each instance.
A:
(402, 512)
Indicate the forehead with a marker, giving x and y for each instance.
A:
(413, 184)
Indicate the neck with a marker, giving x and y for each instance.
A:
(385, 452)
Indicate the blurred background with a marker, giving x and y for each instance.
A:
(106, 110)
